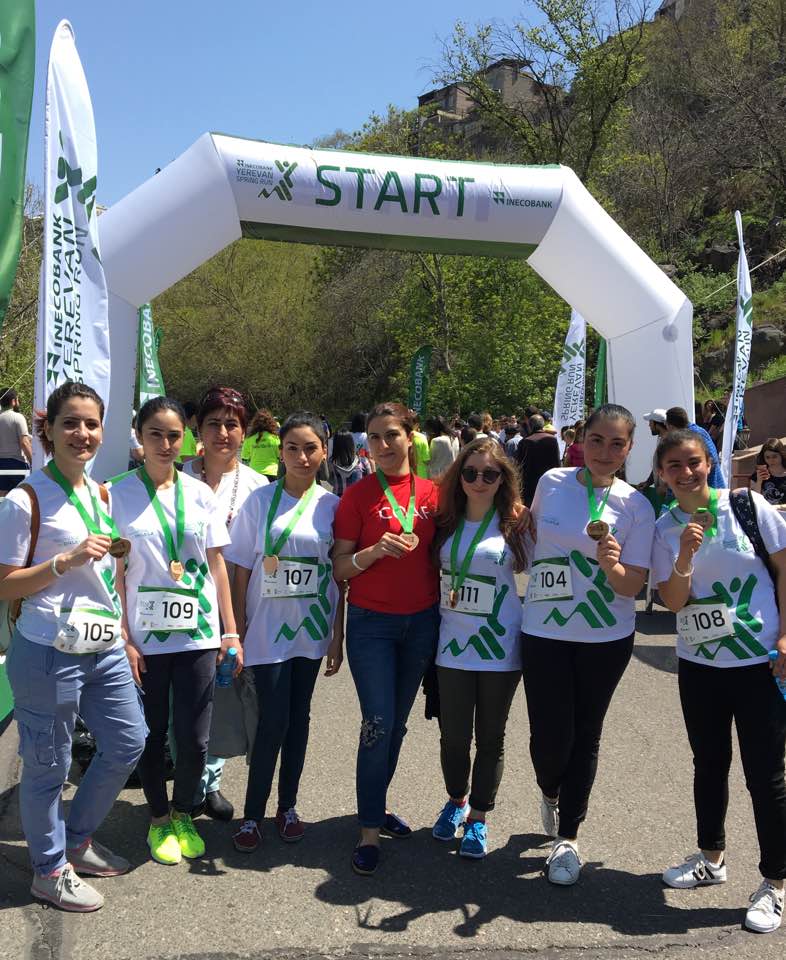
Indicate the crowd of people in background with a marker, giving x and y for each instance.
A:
(194, 599)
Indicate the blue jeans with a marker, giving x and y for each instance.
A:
(50, 688)
(388, 655)
(284, 692)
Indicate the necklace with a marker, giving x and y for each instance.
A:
(235, 485)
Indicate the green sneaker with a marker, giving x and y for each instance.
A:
(191, 844)
(163, 844)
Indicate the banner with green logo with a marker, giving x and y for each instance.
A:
(419, 370)
(600, 376)
(151, 383)
(73, 320)
(17, 70)
(569, 395)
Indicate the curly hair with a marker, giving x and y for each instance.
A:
(263, 421)
(453, 500)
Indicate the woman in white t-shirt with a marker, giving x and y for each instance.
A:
(479, 549)
(729, 626)
(290, 616)
(594, 537)
(174, 587)
(67, 654)
(221, 420)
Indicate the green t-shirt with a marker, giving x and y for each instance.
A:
(260, 452)
(189, 448)
(422, 453)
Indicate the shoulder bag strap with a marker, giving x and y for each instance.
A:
(15, 607)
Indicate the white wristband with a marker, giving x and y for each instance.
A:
(53, 566)
(230, 636)
(356, 565)
(680, 573)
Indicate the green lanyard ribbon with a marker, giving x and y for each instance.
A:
(711, 508)
(173, 544)
(93, 523)
(595, 510)
(273, 549)
(407, 520)
(459, 574)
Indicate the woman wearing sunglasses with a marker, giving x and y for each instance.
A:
(479, 548)
(384, 529)
(594, 536)
(221, 420)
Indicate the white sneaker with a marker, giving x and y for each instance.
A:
(697, 871)
(564, 863)
(766, 910)
(67, 891)
(549, 815)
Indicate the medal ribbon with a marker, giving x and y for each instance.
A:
(173, 545)
(595, 511)
(459, 574)
(93, 523)
(712, 508)
(407, 520)
(273, 549)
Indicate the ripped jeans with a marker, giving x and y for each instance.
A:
(388, 653)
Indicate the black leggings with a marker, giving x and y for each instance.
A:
(569, 687)
(479, 698)
(191, 675)
(711, 698)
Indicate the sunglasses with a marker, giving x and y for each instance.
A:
(470, 475)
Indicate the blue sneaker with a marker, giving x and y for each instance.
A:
(449, 821)
(473, 843)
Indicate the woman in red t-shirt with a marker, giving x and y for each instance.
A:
(383, 529)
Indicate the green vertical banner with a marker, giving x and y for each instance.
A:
(17, 70)
(600, 376)
(419, 370)
(151, 383)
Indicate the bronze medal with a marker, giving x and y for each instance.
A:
(597, 530)
(119, 548)
(412, 539)
(703, 518)
(176, 569)
(270, 564)
(453, 599)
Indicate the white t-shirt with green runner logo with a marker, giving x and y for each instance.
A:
(299, 624)
(727, 573)
(148, 561)
(61, 529)
(471, 641)
(594, 613)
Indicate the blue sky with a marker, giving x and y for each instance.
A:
(162, 73)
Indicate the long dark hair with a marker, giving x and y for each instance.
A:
(676, 438)
(304, 418)
(343, 454)
(453, 500)
(263, 421)
(612, 411)
(158, 405)
(773, 445)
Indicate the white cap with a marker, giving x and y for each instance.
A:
(656, 416)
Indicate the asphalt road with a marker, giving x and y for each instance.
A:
(303, 901)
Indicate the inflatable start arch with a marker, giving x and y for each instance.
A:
(223, 188)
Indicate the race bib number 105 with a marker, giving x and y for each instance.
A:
(87, 631)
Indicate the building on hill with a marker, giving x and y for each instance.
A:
(454, 110)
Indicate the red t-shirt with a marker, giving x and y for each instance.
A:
(409, 584)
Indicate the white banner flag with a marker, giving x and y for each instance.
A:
(73, 328)
(569, 398)
(742, 355)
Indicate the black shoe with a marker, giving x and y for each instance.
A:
(218, 807)
(198, 810)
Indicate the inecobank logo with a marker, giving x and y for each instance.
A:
(502, 199)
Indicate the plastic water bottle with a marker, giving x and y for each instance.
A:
(226, 668)
(780, 684)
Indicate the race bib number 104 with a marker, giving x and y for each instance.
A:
(550, 580)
